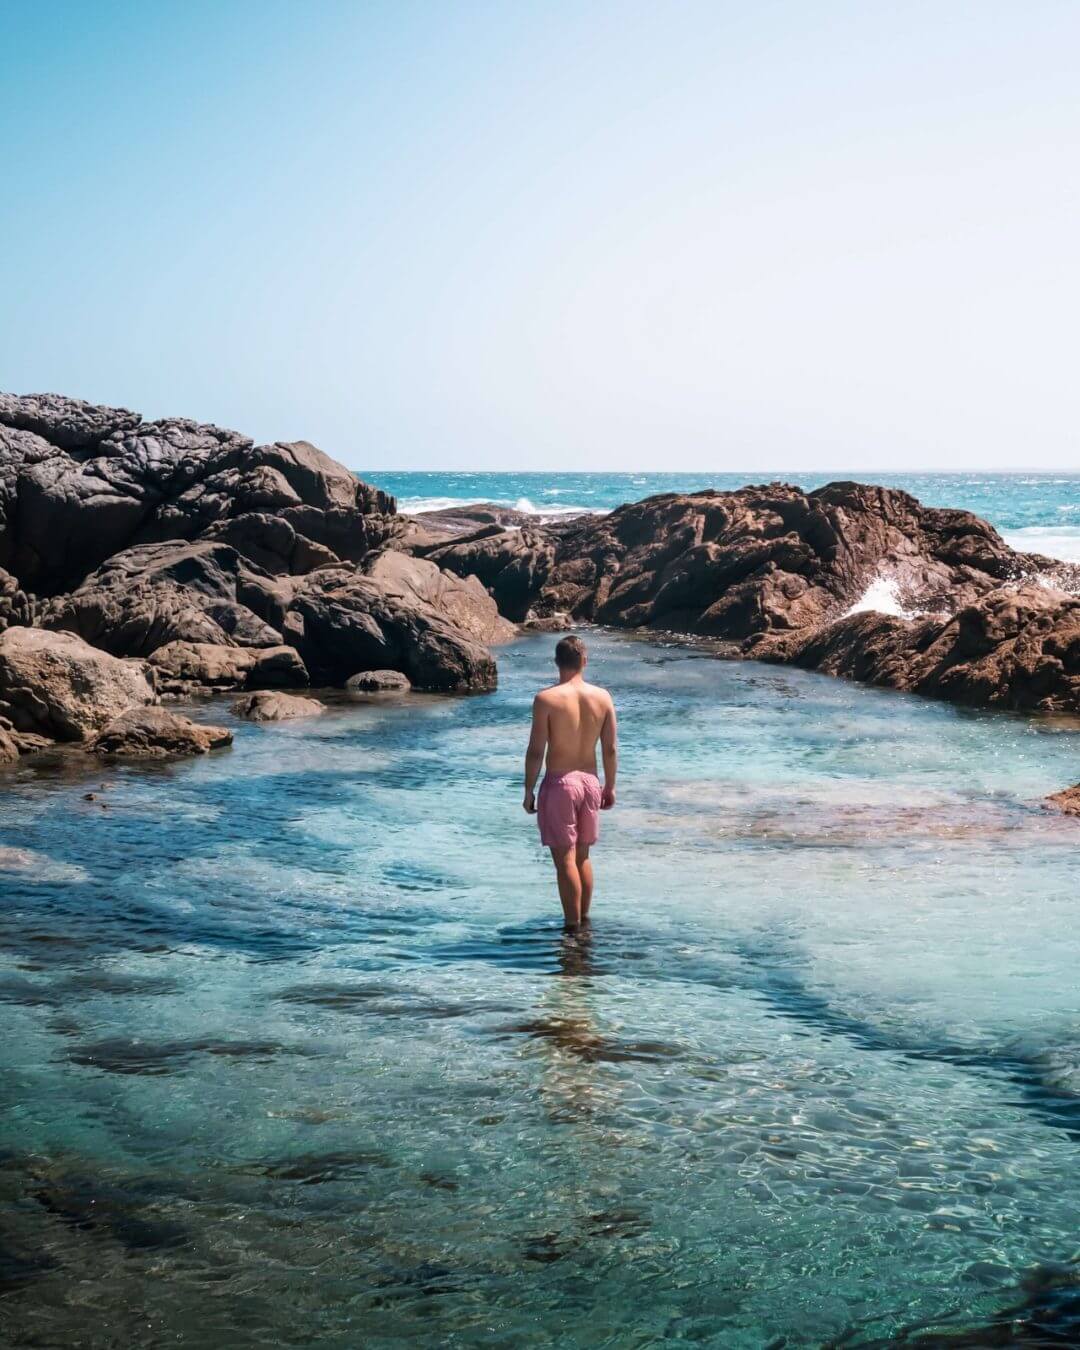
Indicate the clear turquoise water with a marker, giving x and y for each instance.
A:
(1036, 512)
(295, 1053)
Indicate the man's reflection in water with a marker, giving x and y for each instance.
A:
(575, 953)
(570, 1087)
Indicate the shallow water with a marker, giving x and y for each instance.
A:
(296, 1054)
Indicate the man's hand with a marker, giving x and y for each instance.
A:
(530, 803)
(607, 799)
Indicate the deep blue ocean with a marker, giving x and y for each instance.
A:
(296, 1054)
(1036, 512)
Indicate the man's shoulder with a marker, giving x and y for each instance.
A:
(599, 689)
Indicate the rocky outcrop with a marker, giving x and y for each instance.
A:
(343, 622)
(153, 733)
(57, 686)
(743, 564)
(461, 601)
(181, 541)
(155, 594)
(1015, 647)
(16, 607)
(378, 682)
(775, 572)
(67, 423)
(182, 666)
(1067, 801)
(82, 483)
(186, 539)
(269, 705)
(513, 564)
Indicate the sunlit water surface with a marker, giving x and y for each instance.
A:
(294, 1052)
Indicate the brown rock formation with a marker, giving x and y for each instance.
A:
(139, 536)
(270, 705)
(153, 733)
(56, 685)
(1067, 801)
(774, 571)
(378, 682)
(214, 666)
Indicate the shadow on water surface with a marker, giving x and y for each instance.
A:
(781, 987)
(1048, 1318)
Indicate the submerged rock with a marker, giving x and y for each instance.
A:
(271, 706)
(1067, 801)
(58, 686)
(154, 733)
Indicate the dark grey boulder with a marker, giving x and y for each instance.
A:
(461, 601)
(343, 623)
(513, 564)
(79, 484)
(69, 423)
(154, 594)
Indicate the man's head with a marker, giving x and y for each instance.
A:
(570, 655)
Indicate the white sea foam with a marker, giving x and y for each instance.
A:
(1056, 541)
(882, 596)
(413, 506)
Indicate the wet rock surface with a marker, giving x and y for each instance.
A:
(1067, 801)
(378, 682)
(155, 733)
(270, 705)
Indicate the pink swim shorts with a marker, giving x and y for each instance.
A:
(568, 809)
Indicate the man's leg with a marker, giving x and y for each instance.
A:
(566, 870)
(584, 867)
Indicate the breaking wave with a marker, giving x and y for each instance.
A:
(882, 596)
(413, 506)
(1056, 541)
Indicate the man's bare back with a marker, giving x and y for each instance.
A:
(569, 720)
(576, 713)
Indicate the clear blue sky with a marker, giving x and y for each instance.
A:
(554, 235)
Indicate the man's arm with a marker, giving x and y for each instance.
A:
(609, 746)
(534, 755)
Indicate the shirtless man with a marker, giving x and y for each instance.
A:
(567, 721)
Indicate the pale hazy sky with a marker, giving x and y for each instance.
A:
(555, 235)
